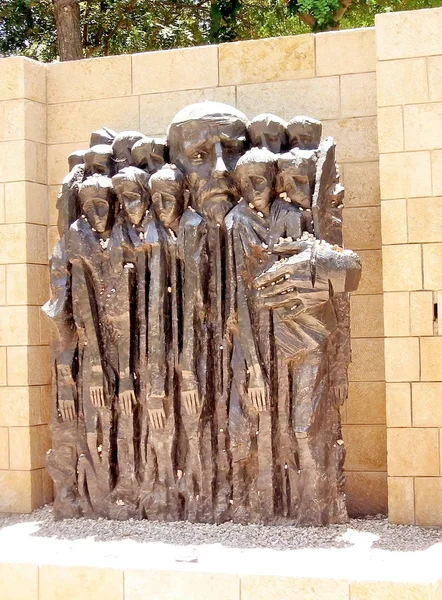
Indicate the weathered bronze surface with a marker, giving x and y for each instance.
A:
(200, 304)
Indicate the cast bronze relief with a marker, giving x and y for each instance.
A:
(200, 309)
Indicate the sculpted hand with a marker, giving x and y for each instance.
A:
(339, 392)
(157, 414)
(97, 396)
(288, 246)
(257, 392)
(190, 397)
(67, 410)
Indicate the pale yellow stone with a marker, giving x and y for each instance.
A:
(22, 78)
(398, 400)
(24, 119)
(405, 34)
(19, 491)
(402, 269)
(405, 175)
(158, 110)
(24, 406)
(434, 64)
(356, 139)
(177, 585)
(58, 155)
(36, 162)
(431, 367)
(397, 314)
(27, 284)
(36, 245)
(362, 228)
(366, 316)
(2, 285)
(428, 498)
(361, 181)
(389, 590)
(13, 164)
(28, 365)
(48, 487)
(367, 360)
(19, 325)
(180, 69)
(427, 404)
(371, 279)
(13, 243)
(348, 51)
(394, 222)
(19, 581)
(28, 447)
(366, 447)
(58, 582)
(2, 202)
(26, 202)
(53, 238)
(3, 367)
(35, 80)
(75, 121)
(273, 59)
(402, 82)
(413, 451)
(263, 587)
(52, 208)
(423, 126)
(366, 403)
(390, 129)
(401, 500)
(4, 448)
(432, 256)
(436, 169)
(46, 327)
(317, 97)
(358, 95)
(91, 79)
(421, 313)
(366, 493)
(401, 359)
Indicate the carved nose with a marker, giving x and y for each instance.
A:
(220, 169)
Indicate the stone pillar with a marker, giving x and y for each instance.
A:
(24, 340)
(409, 87)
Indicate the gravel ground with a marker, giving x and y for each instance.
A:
(374, 533)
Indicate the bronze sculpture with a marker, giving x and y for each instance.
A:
(201, 321)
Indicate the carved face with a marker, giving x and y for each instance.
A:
(304, 136)
(168, 201)
(268, 134)
(133, 200)
(207, 152)
(149, 154)
(256, 184)
(295, 184)
(98, 163)
(97, 209)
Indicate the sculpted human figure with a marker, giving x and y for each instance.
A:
(268, 131)
(149, 154)
(304, 133)
(122, 146)
(67, 200)
(98, 160)
(102, 136)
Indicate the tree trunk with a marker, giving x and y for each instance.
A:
(67, 19)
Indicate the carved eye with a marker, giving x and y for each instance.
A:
(198, 156)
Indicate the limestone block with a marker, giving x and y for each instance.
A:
(394, 222)
(28, 447)
(434, 64)
(428, 494)
(401, 500)
(2, 202)
(390, 129)
(58, 160)
(36, 162)
(436, 169)
(402, 269)
(398, 396)
(367, 360)
(53, 191)
(405, 175)
(366, 447)
(13, 243)
(12, 165)
(22, 78)
(19, 582)
(3, 367)
(358, 95)
(362, 228)
(26, 202)
(28, 365)
(57, 582)
(413, 451)
(371, 279)
(421, 313)
(366, 316)
(27, 284)
(357, 139)
(402, 82)
(402, 359)
(19, 491)
(53, 238)
(74, 121)
(91, 79)
(397, 314)
(24, 406)
(405, 34)
(19, 325)
(427, 405)
(366, 403)
(36, 247)
(4, 448)
(263, 587)
(366, 493)
(48, 487)
(389, 590)
(432, 256)
(348, 51)
(423, 126)
(2, 285)
(273, 59)
(317, 97)
(181, 69)
(157, 110)
(177, 585)
(431, 367)
(361, 181)
(24, 119)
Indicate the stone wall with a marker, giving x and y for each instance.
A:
(330, 76)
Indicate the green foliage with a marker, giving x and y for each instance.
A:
(322, 11)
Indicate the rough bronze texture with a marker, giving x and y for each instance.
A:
(200, 303)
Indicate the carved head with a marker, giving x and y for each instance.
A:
(97, 202)
(255, 176)
(304, 133)
(149, 154)
(206, 141)
(167, 190)
(102, 136)
(122, 146)
(98, 161)
(132, 190)
(268, 131)
(76, 158)
(296, 176)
